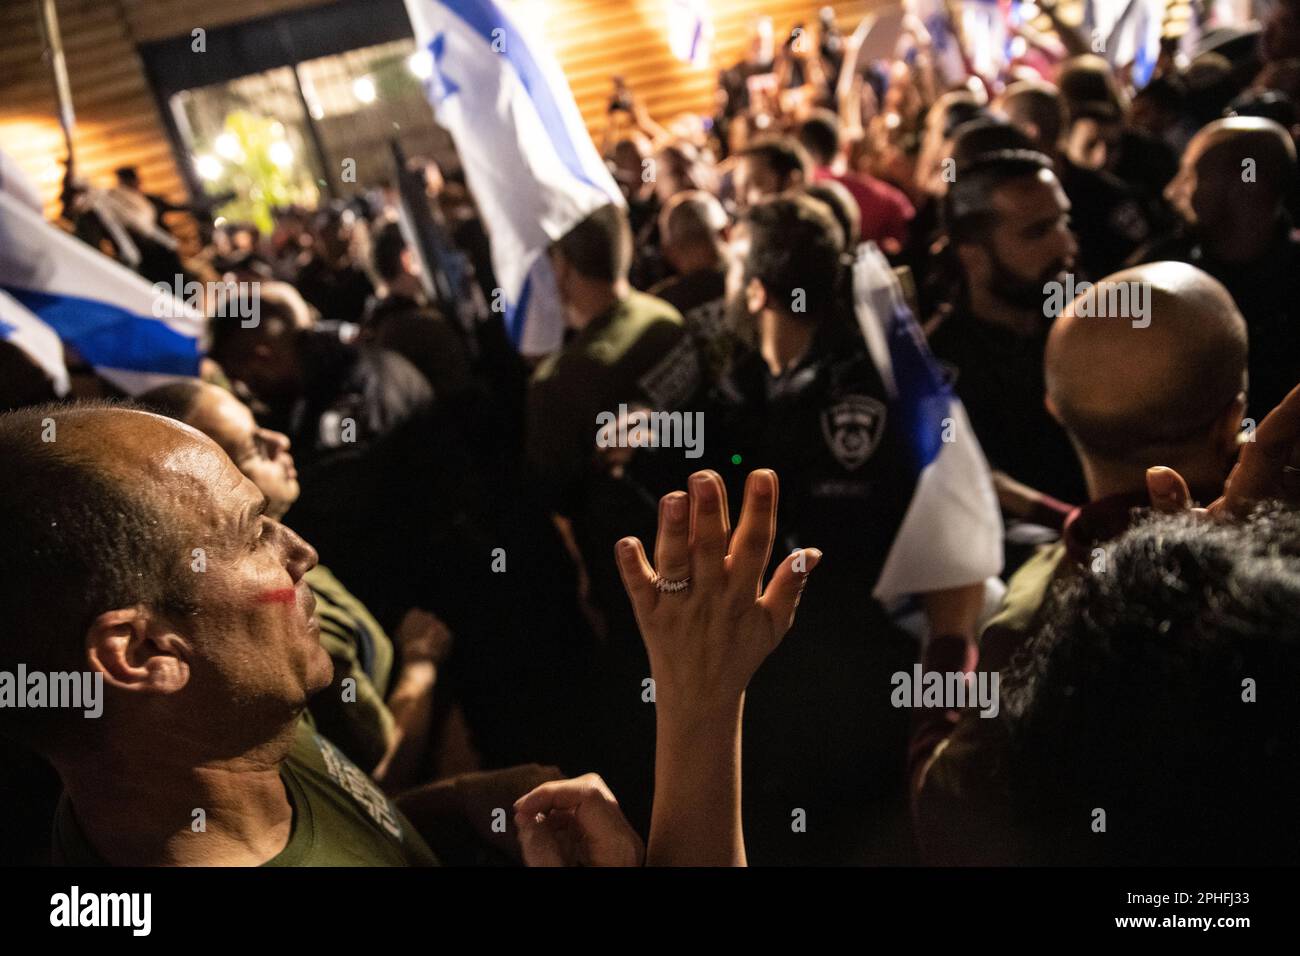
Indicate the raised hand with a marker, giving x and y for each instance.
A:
(1267, 468)
(707, 624)
(705, 618)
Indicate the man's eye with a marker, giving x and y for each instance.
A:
(264, 533)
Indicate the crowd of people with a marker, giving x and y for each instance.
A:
(376, 589)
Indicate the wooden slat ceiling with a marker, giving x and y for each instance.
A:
(118, 121)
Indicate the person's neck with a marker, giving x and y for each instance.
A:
(1106, 478)
(836, 165)
(701, 257)
(988, 308)
(405, 285)
(782, 340)
(594, 299)
(1241, 240)
(138, 807)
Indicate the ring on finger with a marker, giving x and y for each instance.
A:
(666, 586)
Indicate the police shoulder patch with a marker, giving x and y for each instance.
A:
(852, 426)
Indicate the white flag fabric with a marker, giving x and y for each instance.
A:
(38, 340)
(690, 31)
(1130, 31)
(99, 308)
(15, 182)
(528, 158)
(951, 533)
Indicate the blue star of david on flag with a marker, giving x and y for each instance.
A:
(441, 86)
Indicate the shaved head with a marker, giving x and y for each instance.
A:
(1227, 143)
(1234, 169)
(82, 532)
(692, 217)
(134, 546)
(1126, 391)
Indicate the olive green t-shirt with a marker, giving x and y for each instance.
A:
(340, 816)
(354, 716)
(637, 352)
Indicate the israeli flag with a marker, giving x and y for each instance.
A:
(951, 534)
(100, 309)
(528, 159)
(1130, 33)
(690, 31)
(38, 340)
(949, 63)
(15, 182)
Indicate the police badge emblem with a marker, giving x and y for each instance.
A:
(853, 427)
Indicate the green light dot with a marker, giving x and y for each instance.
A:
(735, 459)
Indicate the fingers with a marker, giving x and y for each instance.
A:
(672, 542)
(710, 526)
(578, 822)
(1168, 492)
(751, 545)
(549, 823)
(786, 587)
(638, 579)
(1261, 471)
(564, 795)
(1279, 432)
(539, 844)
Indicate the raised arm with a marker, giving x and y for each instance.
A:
(708, 624)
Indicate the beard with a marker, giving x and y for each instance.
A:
(1017, 291)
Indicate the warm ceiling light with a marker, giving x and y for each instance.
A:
(363, 88)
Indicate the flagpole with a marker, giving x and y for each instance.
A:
(49, 18)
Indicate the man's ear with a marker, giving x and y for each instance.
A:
(1050, 404)
(1227, 431)
(973, 259)
(755, 297)
(138, 652)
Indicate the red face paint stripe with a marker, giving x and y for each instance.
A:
(278, 596)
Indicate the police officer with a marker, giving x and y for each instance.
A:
(823, 746)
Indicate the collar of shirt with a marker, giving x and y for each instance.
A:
(1107, 518)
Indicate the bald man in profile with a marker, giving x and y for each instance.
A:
(1168, 389)
(1231, 193)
